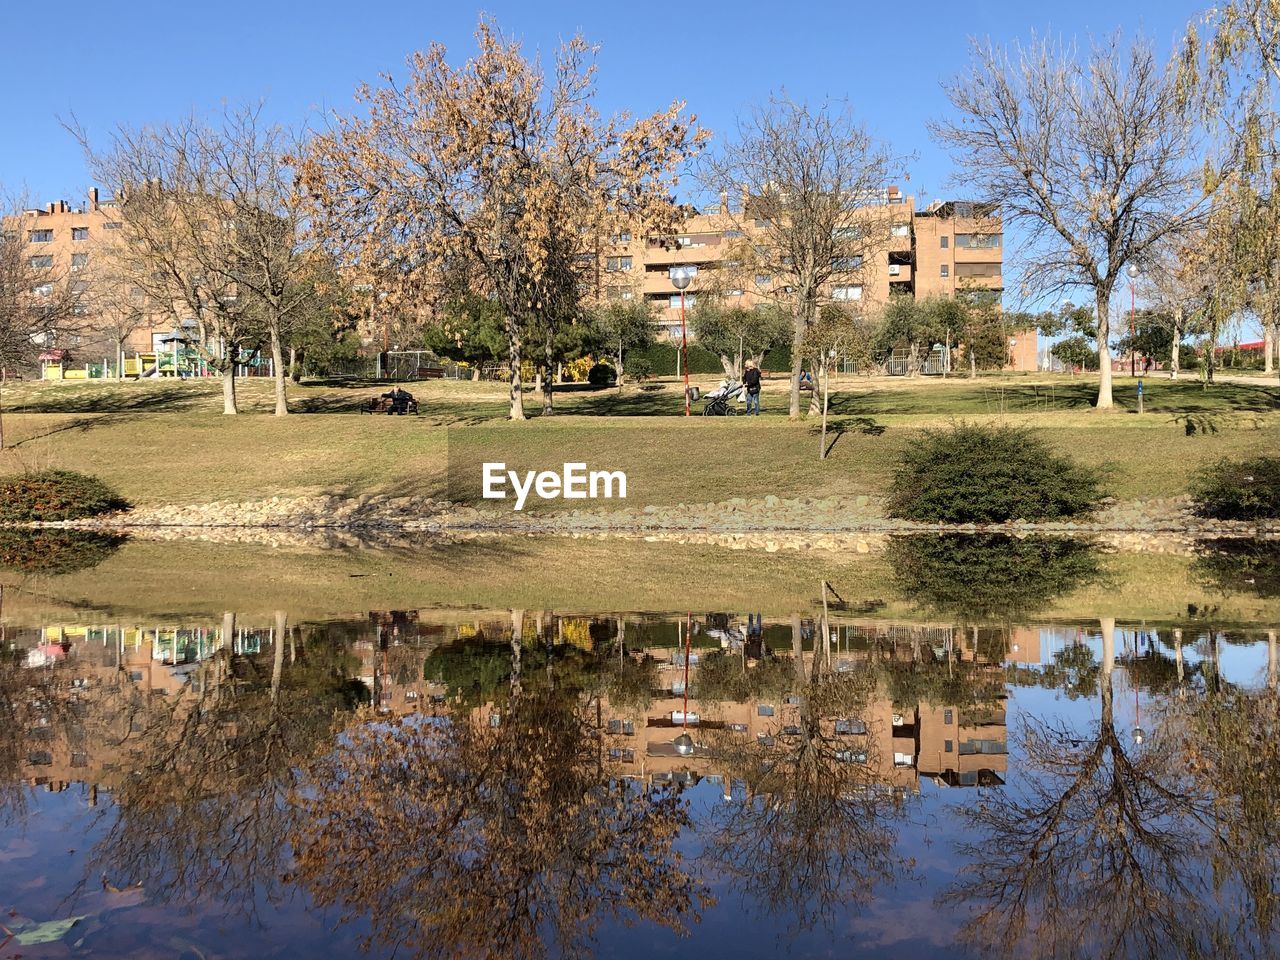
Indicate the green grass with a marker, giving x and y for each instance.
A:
(168, 442)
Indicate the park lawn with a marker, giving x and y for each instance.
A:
(192, 580)
(168, 442)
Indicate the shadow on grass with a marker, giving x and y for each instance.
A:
(1181, 399)
(123, 400)
(836, 429)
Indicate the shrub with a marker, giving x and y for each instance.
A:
(601, 375)
(639, 369)
(979, 474)
(55, 495)
(1239, 490)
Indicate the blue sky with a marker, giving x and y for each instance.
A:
(139, 60)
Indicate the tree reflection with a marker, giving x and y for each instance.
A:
(818, 829)
(503, 832)
(1096, 853)
(202, 816)
(1230, 743)
(978, 578)
(1240, 566)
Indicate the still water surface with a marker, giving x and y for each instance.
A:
(973, 781)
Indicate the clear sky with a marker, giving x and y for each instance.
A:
(136, 61)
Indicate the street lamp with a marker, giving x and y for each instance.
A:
(1133, 332)
(680, 278)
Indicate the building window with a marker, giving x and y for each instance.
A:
(761, 222)
(732, 234)
(623, 237)
(762, 279)
(689, 300)
(40, 236)
(111, 225)
(41, 263)
(617, 264)
(79, 261)
(944, 270)
(948, 716)
(690, 270)
(901, 230)
(846, 727)
(846, 264)
(79, 233)
(944, 242)
(848, 292)
(764, 710)
(948, 746)
(42, 289)
(734, 292)
(979, 241)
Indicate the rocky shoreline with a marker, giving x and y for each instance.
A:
(770, 523)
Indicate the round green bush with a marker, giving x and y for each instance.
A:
(601, 375)
(1239, 490)
(980, 474)
(55, 495)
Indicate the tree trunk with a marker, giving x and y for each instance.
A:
(229, 387)
(816, 405)
(475, 375)
(4, 372)
(730, 366)
(277, 658)
(119, 359)
(620, 372)
(547, 387)
(1103, 303)
(513, 351)
(1175, 360)
(278, 372)
(973, 365)
(560, 372)
(1268, 346)
(297, 356)
(797, 344)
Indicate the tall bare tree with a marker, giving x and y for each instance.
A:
(1096, 157)
(173, 236)
(495, 171)
(810, 178)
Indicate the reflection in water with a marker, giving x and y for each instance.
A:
(1094, 854)
(1244, 566)
(457, 783)
(989, 577)
(54, 551)
(484, 835)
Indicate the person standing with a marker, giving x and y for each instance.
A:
(751, 380)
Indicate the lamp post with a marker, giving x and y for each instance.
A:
(680, 277)
(683, 744)
(1133, 328)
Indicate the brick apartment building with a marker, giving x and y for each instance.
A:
(947, 248)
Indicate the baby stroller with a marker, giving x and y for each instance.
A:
(720, 402)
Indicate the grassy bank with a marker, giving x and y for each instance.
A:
(168, 442)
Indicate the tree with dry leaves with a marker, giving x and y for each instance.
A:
(1097, 158)
(811, 179)
(497, 172)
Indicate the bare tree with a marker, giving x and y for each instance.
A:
(41, 305)
(173, 244)
(810, 179)
(1096, 158)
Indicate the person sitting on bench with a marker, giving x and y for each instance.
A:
(400, 400)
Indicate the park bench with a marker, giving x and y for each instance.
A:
(384, 404)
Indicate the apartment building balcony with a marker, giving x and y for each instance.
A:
(901, 273)
(979, 254)
(682, 256)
